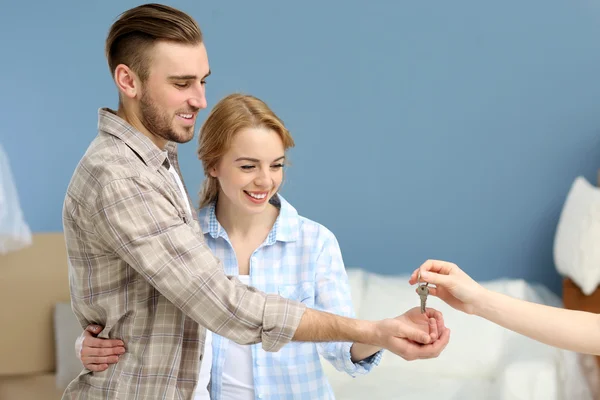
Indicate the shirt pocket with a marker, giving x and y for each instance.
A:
(303, 292)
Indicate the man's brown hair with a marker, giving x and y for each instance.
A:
(136, 30)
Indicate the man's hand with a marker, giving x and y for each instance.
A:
(413, 335)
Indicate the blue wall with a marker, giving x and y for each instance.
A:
(424, 129)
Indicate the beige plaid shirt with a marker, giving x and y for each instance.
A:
(138, 265)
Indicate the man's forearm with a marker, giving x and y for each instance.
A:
(319, 326)
(572, 330)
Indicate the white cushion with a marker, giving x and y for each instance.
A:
(515, 381)
(66, 332)
(397, 383)
(356, 279)
(576, 243)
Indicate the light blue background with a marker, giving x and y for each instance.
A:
(432, 129)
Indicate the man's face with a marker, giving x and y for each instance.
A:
(174, 91)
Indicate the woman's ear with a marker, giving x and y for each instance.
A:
(213, 172)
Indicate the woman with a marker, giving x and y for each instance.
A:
(260, 238)
(577, 331)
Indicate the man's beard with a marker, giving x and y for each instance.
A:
(159, 123)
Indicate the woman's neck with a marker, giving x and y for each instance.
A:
(240, 224)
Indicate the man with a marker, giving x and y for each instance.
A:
(138, 263)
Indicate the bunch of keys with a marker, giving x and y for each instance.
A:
(423, 292)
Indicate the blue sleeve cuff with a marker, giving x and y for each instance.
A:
(361, 367)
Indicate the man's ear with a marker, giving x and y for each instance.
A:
(127, 81)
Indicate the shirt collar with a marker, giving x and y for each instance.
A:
(285, 229)
(110, 123)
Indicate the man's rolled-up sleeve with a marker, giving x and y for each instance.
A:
(147, 231)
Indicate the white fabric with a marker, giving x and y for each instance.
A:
(482, 360)
(181, 188)
(238, 379)
(356, 280)
(14, 231)
(201, 392)
(576, 249)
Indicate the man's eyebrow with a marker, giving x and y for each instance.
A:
(186, 77)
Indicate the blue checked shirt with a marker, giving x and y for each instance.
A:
(301, 260)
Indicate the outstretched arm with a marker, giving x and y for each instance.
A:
(567, 329)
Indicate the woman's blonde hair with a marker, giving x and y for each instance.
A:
(230, 115)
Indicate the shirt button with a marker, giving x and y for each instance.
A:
(260, 396)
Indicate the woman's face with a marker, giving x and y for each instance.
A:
(251, 171)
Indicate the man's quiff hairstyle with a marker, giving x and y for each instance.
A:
(133, 34)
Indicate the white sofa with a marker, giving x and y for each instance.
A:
(482, 360)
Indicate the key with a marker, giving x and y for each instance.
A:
(423, 292)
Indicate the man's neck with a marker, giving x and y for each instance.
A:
(132, 119)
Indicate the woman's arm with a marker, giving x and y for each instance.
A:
(567, 329)
(332, 294)
(95, 353)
